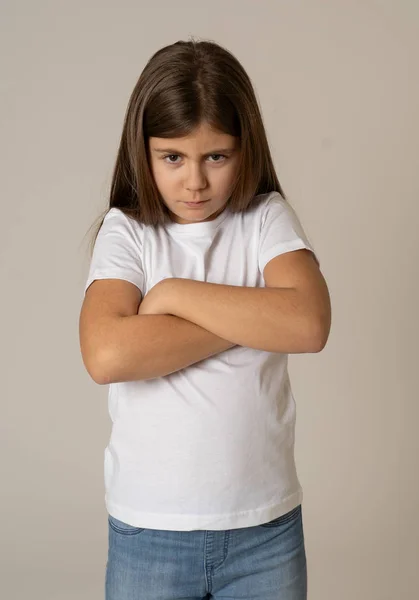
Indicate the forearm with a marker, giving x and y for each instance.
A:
(270, 319)
(149, 346)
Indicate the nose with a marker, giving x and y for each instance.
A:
(196, 178)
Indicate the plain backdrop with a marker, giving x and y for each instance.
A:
(338, 88)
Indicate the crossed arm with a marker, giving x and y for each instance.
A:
(185, 321)
(275, 320)
(294, 318)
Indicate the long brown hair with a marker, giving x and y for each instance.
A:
(181, 86)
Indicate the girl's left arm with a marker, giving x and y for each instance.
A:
(291, 315)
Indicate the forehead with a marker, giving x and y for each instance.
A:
(203, 140)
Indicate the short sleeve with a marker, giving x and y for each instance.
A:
(117, 253)
(281, 231)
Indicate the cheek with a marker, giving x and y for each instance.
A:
(163, 179)
(227, 177)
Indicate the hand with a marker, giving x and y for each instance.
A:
(156, 301)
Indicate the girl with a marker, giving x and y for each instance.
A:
(201, 282)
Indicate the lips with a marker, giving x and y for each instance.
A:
(196, 204)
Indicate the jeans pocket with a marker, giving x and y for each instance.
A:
(289, 516)
(123, 528)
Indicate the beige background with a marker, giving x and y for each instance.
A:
(339, 91)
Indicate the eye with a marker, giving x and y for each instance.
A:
(223, 155)
(170, 156)
(177, 156)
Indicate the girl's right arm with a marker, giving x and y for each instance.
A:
(119, 345)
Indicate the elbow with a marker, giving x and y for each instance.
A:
(99, 368)
(105, 371)
(101, 378)
(317, 345)
(320, 317)
(319, 334)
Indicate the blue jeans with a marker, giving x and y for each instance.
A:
(266, 562)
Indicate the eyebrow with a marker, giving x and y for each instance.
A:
(173, 151)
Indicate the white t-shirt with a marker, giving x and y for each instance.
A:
(210, 446)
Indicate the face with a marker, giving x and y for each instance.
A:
(201, 167)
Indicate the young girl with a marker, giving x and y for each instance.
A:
(201, 282)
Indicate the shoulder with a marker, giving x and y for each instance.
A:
(117, 219)
(270, 204)
(273, 199)
(118, 232)
(265, 201)
(116, 214)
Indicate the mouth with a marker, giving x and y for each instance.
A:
(193, 204)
